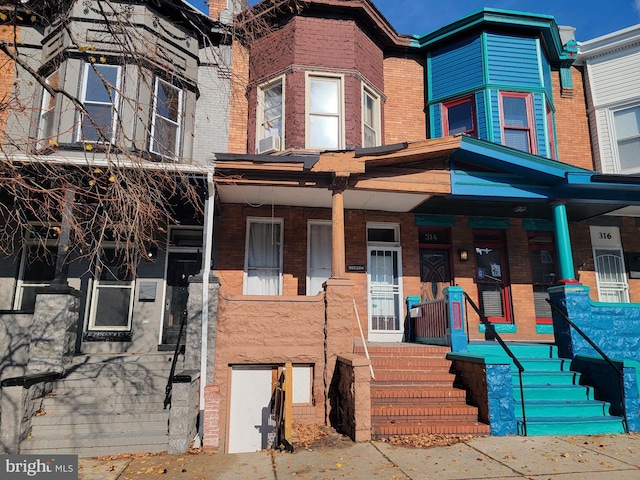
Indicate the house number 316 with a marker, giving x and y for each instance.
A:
(605, 235)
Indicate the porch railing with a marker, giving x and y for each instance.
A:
(431, 322)
(492, 334)
(602, 354)
(169, 387)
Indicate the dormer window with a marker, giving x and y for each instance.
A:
(270, 122)
(99, 97)
(517, 124)
(167, 119)
(325, 120)
(459, 117)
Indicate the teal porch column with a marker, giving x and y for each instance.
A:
(455, 306)
(563, 243)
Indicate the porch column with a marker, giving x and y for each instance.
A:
(337, 227)
(563, 243)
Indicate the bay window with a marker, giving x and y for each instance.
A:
(517, 124)
(166, 121)
(325, 120)
(459, 117)
(270, 132)
(370, 118)
(99, 97)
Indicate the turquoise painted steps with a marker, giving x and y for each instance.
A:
(555, 402)
(571, 426)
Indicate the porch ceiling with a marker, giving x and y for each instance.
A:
(318, 197)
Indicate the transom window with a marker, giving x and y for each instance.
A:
(270, 110)
(99, 97)
(324, 113)
(370, 118)
(517, 124)
(627, 128)
(167, 118)
(459, 117)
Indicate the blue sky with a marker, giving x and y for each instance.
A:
(591, 18)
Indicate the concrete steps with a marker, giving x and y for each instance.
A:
(555, 401)
(413, 393)
(108, 404)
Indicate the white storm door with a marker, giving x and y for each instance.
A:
(608, 259)
(318, 256)
(250, 425)
(386, 323)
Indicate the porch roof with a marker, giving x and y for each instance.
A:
(426, 176)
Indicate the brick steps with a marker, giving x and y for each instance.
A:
(413, 393)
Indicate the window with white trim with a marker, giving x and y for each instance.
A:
(37, 264)
(370, 118)
(46, 135)
(112, 293)
(263, 257)
(627, 135)
(517, 121)
(324, 119)
(270, 114)
(100, 98)
(167, 120)
(319, 251)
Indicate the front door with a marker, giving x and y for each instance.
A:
(386, 322)
(179, 267)
(611, 276)
(492, 276)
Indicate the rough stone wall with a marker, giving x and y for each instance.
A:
(183, 416)
(572, 122)
(353, 385)
(404, 111)
(15, 336)
(257, 330)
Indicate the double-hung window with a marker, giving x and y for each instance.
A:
(46, 135)
(167, 119)
(459, 117)
(370, 118)
(627, 131)
(263, 257)
(100, 98)
(517, 121)
(270, 116)
(325, 120)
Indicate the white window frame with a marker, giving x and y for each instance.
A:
(113, 103)
(260, 110)
(310, 77)
(616, 140)
(46, 137)
(310, 224)
(271, 220)
(30, 241)
(375, 121)
(96, 285)
(177, 124)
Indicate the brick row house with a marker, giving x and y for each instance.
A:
(357, 188)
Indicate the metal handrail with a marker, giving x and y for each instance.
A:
(602, 354)
(169, 387)
(491, 330)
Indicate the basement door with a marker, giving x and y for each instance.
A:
(385, 295)
(250, 425)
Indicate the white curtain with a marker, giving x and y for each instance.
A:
(319, 256)
(263, 262)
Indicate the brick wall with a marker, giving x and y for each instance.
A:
(404, 114)
(238, 111)
(572, 123)
(211, 434)
(7, 74)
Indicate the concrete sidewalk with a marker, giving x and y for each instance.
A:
(600, 457)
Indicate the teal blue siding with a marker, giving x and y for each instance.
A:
(436, 121)
(540, 114)
(513, 61)
(456, 69)
(481, 116)
(495, 117)
(546, 74)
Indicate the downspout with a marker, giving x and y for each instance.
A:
(206, 271)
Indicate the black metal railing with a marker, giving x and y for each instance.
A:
(176, 352)
(492, 334)
(606, 358)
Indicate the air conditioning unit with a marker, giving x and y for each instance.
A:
(269, 145)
